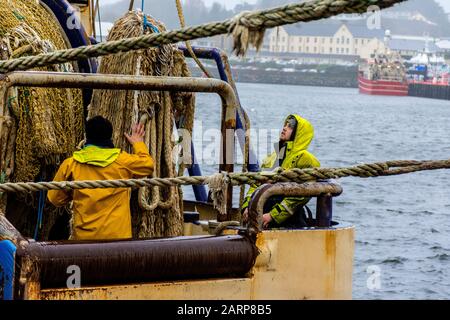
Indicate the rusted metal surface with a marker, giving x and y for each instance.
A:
(240, 111)
(9, 232)
(324, 210)
(133, 261)
(319, 268)
(120, 82)
(210, 289)
(288, 189)
(227, 162)
(26, 280)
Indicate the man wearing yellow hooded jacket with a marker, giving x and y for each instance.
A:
(295, 138)
(101, 214)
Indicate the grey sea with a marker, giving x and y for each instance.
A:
(402, 222)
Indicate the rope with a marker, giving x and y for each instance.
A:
(188, 44)
(246, 28)
(163, 134)
(225, 224)
(278, 175)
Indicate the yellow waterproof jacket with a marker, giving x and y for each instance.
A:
(101, 213)
(297, 156)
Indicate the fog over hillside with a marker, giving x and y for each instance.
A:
(196, 12)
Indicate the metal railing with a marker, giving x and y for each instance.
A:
(323, 190)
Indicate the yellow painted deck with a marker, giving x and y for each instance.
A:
(293, 264)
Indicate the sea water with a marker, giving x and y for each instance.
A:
(402, 247)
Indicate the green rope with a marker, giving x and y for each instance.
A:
(246, 28)
(18, 15)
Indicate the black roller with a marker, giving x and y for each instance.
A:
(135, 261)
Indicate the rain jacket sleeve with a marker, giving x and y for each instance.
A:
(60, 198)
(286, 208)
(248, 197)
(265, 165)
(140, 163)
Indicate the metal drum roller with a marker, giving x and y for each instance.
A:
(137, 261)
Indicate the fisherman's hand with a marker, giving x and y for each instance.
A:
(245, 215)
(137, 134)
(267, 218)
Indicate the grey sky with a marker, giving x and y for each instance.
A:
(228, 3)
(231, 3)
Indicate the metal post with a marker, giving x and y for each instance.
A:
(324, 210)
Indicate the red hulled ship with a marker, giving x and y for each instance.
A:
(384, 75)
(382, 87)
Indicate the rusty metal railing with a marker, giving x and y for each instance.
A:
(323, 190)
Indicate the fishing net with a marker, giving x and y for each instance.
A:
(159, 210)
(41, 126)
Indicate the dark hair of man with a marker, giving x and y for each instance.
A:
(99, 132)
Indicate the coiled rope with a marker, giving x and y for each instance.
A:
(246, 28)
(221, 180)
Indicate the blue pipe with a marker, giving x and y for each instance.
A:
(63, 11)
(194, 170)
(77, 36)
(7, 262)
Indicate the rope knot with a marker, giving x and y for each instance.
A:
(218, 184)
(246, 30)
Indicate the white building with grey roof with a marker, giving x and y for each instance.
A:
(339, 37)
(327, 38)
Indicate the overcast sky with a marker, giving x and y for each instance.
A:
(231, 3)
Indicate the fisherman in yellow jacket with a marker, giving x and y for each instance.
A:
(295, 138)
(100, 214)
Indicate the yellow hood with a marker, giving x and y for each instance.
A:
(297, 155)
(96, 156)
(304, 134)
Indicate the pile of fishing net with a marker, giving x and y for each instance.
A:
(39, 127)
(156, 212)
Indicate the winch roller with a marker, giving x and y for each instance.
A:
(137, 261)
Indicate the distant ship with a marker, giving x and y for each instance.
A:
(382, 87)
(385, 75)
